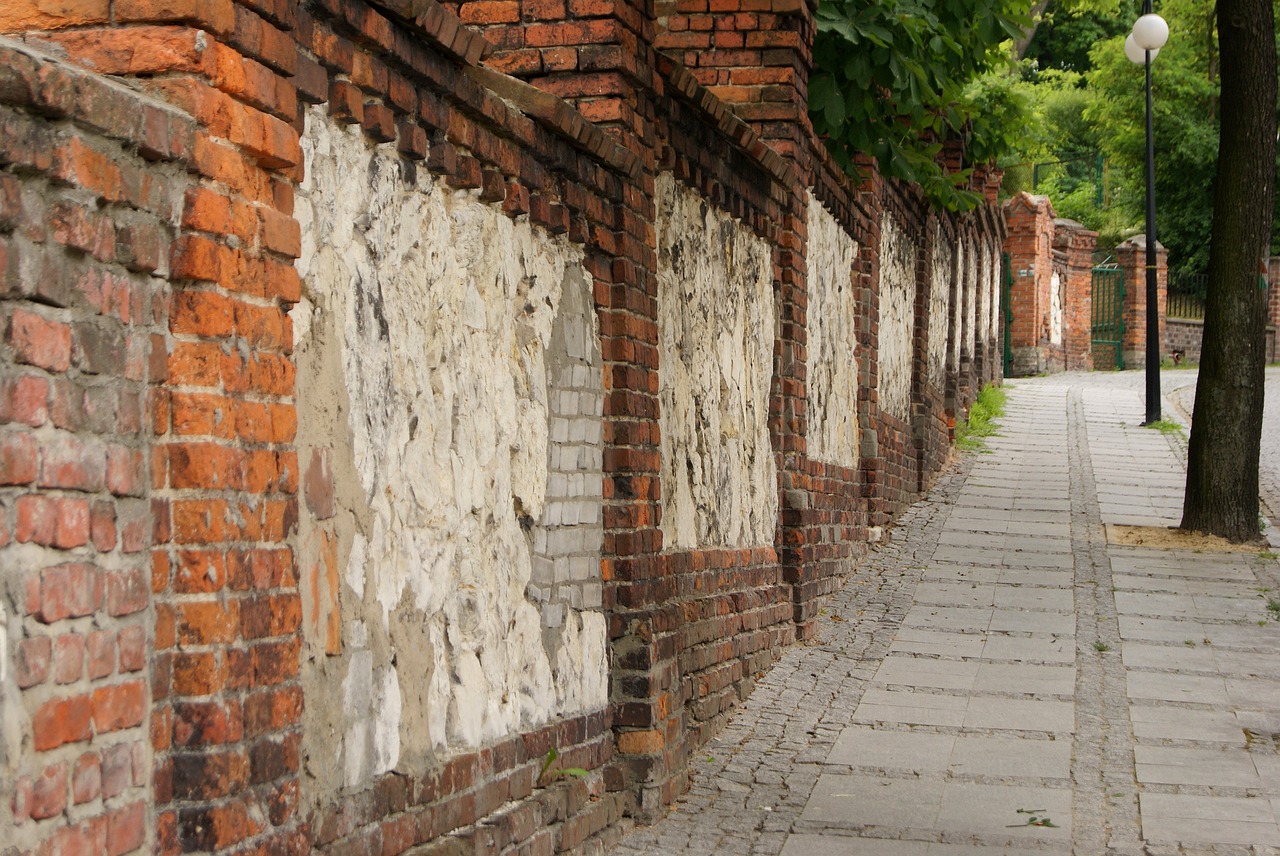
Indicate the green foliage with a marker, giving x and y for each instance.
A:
(896, 78)
(1086, 97)
(981, 422)
(546, 774)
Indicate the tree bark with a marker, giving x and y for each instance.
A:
(1222, 467)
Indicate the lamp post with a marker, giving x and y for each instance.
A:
(1150, 32)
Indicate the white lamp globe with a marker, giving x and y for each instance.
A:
(1134, 52)
(1150, 32)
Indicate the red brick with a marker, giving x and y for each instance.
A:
(117, 769)
(102, 525)
(126, 829)
(69, 591)
(126, 471)
(70, 462)
(37, 519)
(196, 674)
(133, 648)
(24, 400)
(119, 706)
(85, 839)
(33, 661)
(40, 342)
(72, 528)
(17, 459)
(68, 658)
(128, 591)
(49, 792)
(60, 721)
(101, 647)
(86, 778)
(207, 723)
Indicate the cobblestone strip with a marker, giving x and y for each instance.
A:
(751, 783)
(1105, 795)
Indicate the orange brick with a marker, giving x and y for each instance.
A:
(19, 15)
(62, 721)
(202, 313)
(271, 141)
(195, 364)
(119, 706)
(203, 414)
(208, 622)
(640, 742)
(202, 521)
(218, 16)
(197, 674)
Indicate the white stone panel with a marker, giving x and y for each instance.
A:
(832, 341)
(1055, 309)
(972, 283)
(985, 278)
(422, 341)
(939, 309)
(716, 327)
(958, 262)
(897, 318)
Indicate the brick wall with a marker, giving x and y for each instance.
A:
(89, 174)
(1131, 256)
(1030, 249)
(158, 643)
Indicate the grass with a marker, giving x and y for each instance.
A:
(982, 416)
(1167, 426)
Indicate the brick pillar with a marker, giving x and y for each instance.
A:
(1132, 258)
(755, 55)
(1077, 244)
(600, 57)
(88, 172)
(1029, 245)
(226, 698)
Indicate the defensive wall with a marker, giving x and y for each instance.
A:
(394, 394)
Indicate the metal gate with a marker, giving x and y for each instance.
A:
(1108, 318)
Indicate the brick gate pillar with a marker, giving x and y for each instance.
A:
(1132, 258)
(1030, 248)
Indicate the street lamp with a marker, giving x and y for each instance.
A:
(1150, 32)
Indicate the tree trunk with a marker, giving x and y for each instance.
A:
(1222, 468)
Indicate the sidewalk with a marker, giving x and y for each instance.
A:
(1000, 679)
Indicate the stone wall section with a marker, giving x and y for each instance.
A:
(716, 325)
(440, 312)
(939, 315)
(833, 335)
(897, 319)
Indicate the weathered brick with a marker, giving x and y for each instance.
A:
(68, 658)
(40, 341)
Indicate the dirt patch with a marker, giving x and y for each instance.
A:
(1170, 538)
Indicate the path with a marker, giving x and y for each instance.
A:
(1000, 655)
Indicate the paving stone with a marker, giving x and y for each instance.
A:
(997, 653)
